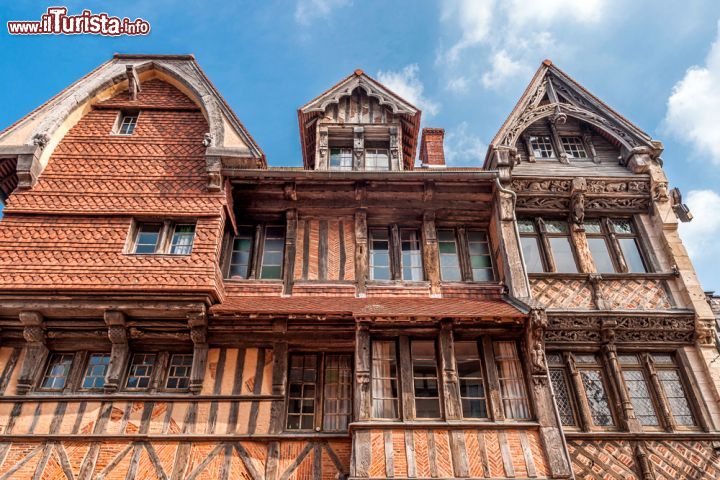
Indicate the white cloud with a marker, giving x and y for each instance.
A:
(508, 37)
(407, 84)
(458, 84)
(308, 10)
(464, 149)
(693, 113)
(701, 234)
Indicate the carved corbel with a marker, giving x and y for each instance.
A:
(208, 139)
(362, 370)
(322, 163)
(504, 160)
(118, 335)
(361, 250)
(660, 192)
(704, 334)
(428, 191)
(639, 160)
(360, 191)
(535, 334)
(598, 297)
(28, 162)
(394, 149)
(577, 203)
(587, 138)
(289, 191)
(641, 457)
(133, 81)
(197, 321)
(358, 147)
(213, 165)
(36, 351)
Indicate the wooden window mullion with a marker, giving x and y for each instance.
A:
(256, 254)
(545, 245)
(615, 246)
(666, 416)
(463, 254)
(77, 371)
(319, 386)
(405, 378)
(395, 253)
(494, 397)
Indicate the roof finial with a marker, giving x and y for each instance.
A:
(547, 62)
(359, 72)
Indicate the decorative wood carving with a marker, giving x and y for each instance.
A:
(119, 352)
(197, 321)
(535, 342)
(657, 329)
(36, 352)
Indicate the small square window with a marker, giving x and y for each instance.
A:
(95, 371)
(141, 371)
(179, 371)
(542, 147)
(573, 147)
(57, 371)
(148, 236)
(377, 159)
(341, 159)
(127, 123)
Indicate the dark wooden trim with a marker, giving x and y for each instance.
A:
(405, 377)
(494, 396)
(343, 254)
(322, 250)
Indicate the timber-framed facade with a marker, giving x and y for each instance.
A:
(172, 307)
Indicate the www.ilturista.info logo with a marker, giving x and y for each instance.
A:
(57, 22)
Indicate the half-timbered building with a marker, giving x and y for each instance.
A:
(172, 307)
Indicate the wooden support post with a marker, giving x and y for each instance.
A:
(363, 362)
(510, 260)
(494, 398)
(612, 364)
(361, 251)
(358, 148)
(36, 352)
(407, 392)
(578, 395)
(430, 252)
(448, 367)
(668, 419)
(119, 352)
(279, 384)
(198, 334)
(289, 255)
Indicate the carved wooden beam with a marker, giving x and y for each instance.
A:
(361, 251)
(448, 367)
(120, 350)
(430, 252)
(362, 372)
(36, 352)
(291, 222)
(197, 322)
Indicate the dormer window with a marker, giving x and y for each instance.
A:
(341, 159)
(541, 147)
(573, 147)
(126, 123)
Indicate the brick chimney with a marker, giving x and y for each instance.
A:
(432, 152)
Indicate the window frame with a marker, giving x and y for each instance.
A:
(119, 122)
(66, 378)
(344, 150)
(580, 142)
(86, 365)
(462, 246)
(531, 149)
(395, 252)
(256, 252)
(542, 236)
(166, 234)
(319, 398)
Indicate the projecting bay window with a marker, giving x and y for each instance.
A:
(319, 392)
(257, 253)
(614, 245)
(464, 255)
(653, 384)
(162, 238)
(395, 254)
(408, 369)
(547, 246)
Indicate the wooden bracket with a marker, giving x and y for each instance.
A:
(197, 321)
(36, 352)
(118, 335)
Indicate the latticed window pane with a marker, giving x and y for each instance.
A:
(412, 266)
(141, 370)
(449, 259)
(127, 124)
(541, 147)
(273, 249)
(622, 226)
(472, 383)
(95, 371)
(384, 380)
(341, 159)
(148, 235)
(640, 397)
(676, 396)
(379, 254)
(526, 226)
(337, 398)
(573, 147)
(480, 259)
(377, 159)
(57, 371)
(425, 379)
(512, 381)
(182, 240)
(531, 254)
(556, 226)
(240, 257)
(179, 371)
(302, 384)
(597, 398)
(562, 397)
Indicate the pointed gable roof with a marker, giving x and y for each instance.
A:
(553, 93)
(308, 113)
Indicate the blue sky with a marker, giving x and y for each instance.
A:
(464, 62)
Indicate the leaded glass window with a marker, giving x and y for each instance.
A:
(562, 397)
(597, 397)
(640, 398)
(178, 377)
(57, 371)
(676, 396)
(95, 371)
